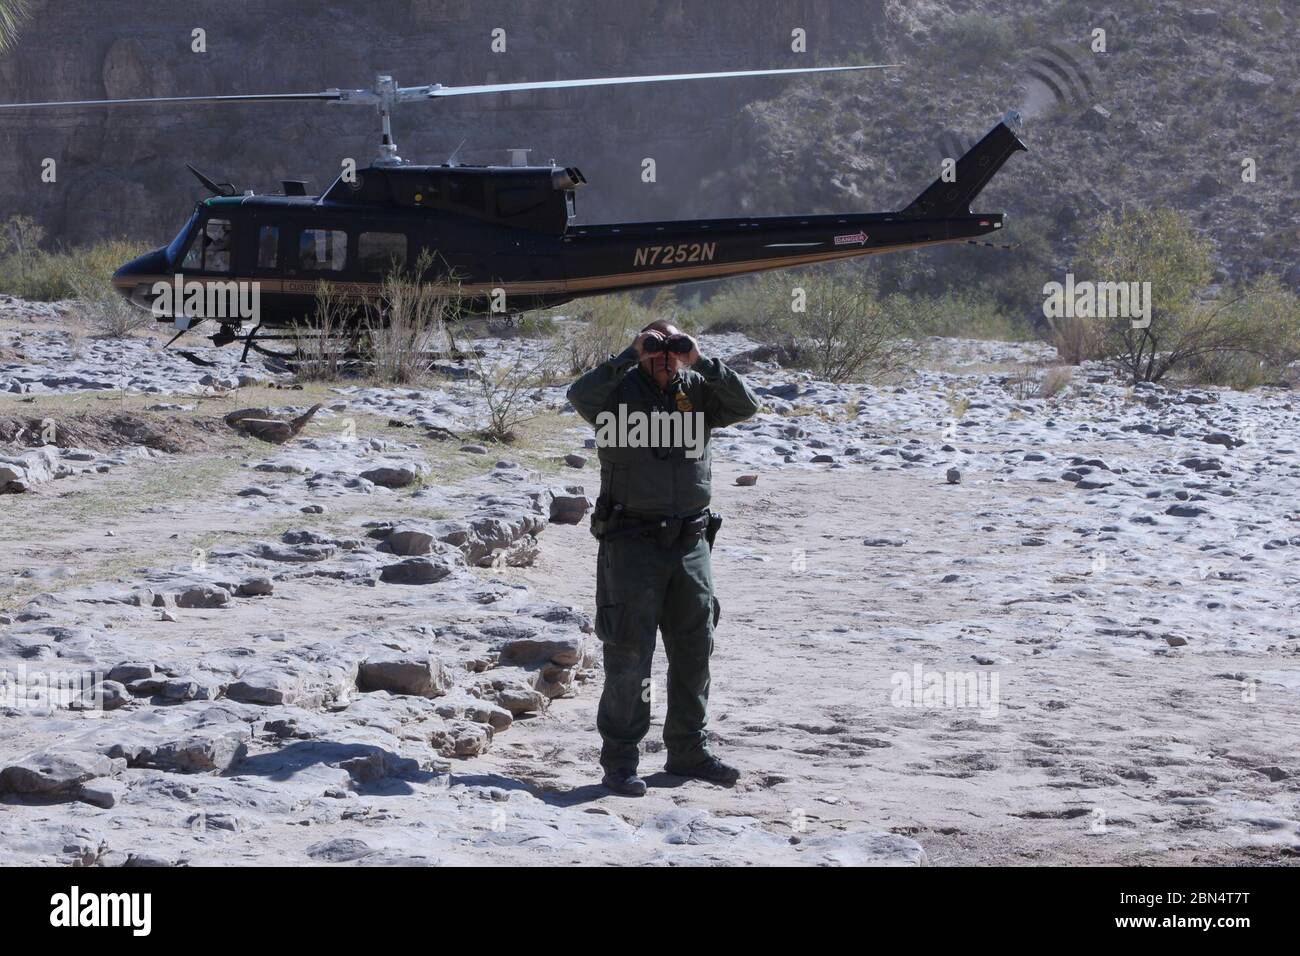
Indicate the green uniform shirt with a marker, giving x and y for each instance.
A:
(660, 482)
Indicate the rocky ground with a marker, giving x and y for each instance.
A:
(371, 642)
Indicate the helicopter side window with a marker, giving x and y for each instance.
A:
(466, 191)
(322, 250)
(268, 246)
(381, 253)
(210, 250)
(517, 201)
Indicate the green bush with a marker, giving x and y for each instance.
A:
(75, 273)
(1187, 333)
(966, 315)
(832, 322)
(1261, 320)
(599, 327)
(973, 40)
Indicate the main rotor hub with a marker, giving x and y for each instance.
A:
(385, 95)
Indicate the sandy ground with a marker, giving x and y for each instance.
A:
(1101, 752)
(1135, 688)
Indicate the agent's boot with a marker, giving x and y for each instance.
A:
(708, 768)
(624, 782)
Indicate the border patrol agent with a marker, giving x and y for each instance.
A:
(656, 531)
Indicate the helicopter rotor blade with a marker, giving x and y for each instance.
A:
(240, 98)
(439, 91)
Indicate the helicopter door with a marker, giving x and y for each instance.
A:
(380, 253)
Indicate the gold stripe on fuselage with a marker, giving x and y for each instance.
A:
(595, 283)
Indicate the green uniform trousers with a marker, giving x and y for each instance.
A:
(641, 587)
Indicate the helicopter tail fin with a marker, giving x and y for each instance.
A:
(973, 172)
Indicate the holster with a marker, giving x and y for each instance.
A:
(602, 516)
(715, 524)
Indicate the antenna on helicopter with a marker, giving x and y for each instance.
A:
(451, 160)
(386, 94)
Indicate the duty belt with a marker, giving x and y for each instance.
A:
(664, 531)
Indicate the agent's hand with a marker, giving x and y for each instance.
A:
(639, 342)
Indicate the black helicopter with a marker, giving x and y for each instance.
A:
(504, 236)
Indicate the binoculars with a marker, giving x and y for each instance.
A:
(678, 345)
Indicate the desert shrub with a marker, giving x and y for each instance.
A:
(848, 329)
(20, 238)
(834, 323)
(1186, 331)
(974, 39)
(504, 384)
(532, 325)
(967, 315)
(31, 273)
(1075, 339)
(1265, 317)
(1053, 382)
(88, 274)
(319, 340)
(731, 308)
(600, 327)
(409, 321)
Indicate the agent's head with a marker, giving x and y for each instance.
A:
(661, 365)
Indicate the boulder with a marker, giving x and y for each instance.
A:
(102, 792)
(414, 571)
(128, 671)
(203, 596)
(254, 587)
(519, 699)
(536, 651)
(23, 472)
(205, 750)
(410, 541)
(55, 772)
(390, 476)
(569, 506)
(421, 675)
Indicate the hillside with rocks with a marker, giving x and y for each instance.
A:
(1165, 117)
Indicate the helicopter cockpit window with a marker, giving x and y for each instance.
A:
(322, 250)
(381, 252)
(210, 250)
(177, 245)
(268, 246)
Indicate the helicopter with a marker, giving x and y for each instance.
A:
(505, 237)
